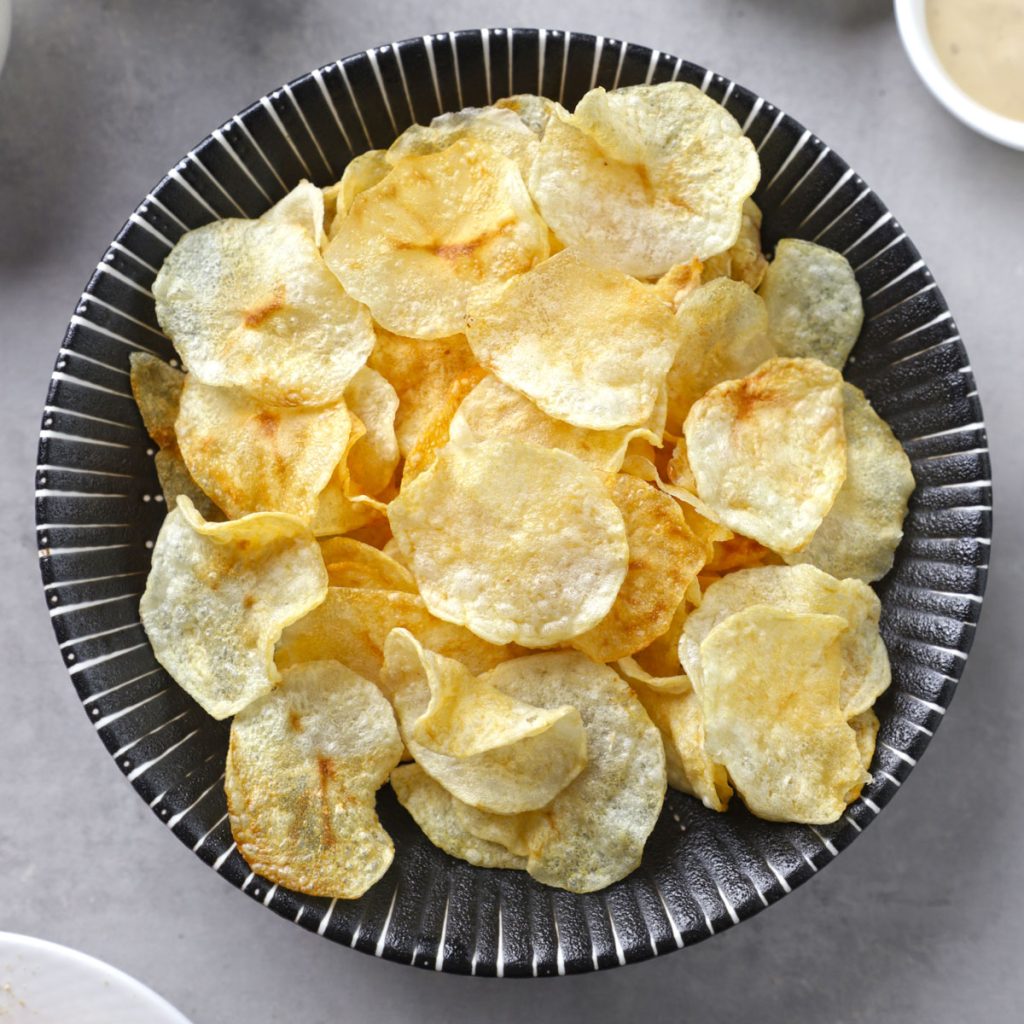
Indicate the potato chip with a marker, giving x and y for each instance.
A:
(533, 111)
(251, 304)
(485, 747)
(772, 712)
(352, 563)
(739, 552)
(664, 556)
(492, 410)
(862, 530)
(436, 230)
(252, 457)
(175, 480)
(646, 177)
(723, 328)
(374, 457)
(678, 282)
(432, 808)
(218, 596)
(633, 672)
(800, 588)
(304, 766)
(351, 626)
(588, 346)
(497, 128)
(516, 542)
(593, 832)
(865, 728)
(744, 261)
(362, 172)
(813, 301)
(768, 451)
(156, 386)
(421, 372)
(661, 656)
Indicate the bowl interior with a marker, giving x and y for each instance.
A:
(99, 510)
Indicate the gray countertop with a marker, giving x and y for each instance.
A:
(921, 919)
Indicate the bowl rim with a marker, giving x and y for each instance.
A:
(912, 23)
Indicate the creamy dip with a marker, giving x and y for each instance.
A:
(981, 46)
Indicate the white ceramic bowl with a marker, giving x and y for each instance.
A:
(913, 28)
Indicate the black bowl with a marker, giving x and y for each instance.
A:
(99, 509)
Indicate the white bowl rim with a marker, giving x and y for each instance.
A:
(913, 28)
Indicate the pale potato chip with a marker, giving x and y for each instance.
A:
(768, 451)
(432, 808)
(374, 457)
(499, 129)
(361, 172)
(251, 304)
(633, 672)
(865, 728)
(678, 282)
(303, 769)
(421, 372)
(813, 301)
(744, 261)
(664, 557)
(156, 387)
(862, 530)
(492, 410)
(646, 177)
(589, 346)
(593, 832)
(723, 330)
(175, 479)
(772, 713)
(516, 542)
(533, 111)
(353, 563)
(800, 588)
(485, 747)
(252, 457)
(436, 230)
(351, 626)
(218, 596)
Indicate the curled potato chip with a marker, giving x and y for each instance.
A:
(361, 172)
(176, 480)
(218, 596)
(533, 111)
(768, 451)
(664, 557)
(676, 712)
(865, 729)
(156, 387)
(433, 808)
(485, 747)
(633, 672)
(800, 588)
(593, 832)
(492, 410)
(516, 542)
(351, 626)
(374, 457)
(589, 346)
(813, 301)
(773, 715)
(862, 530)
(251, 304)
(723, 328)
(744, 261)
(645, 177)
(421, 372)
(304, 766)
(353, 563)
(437, 229)
(252, 457)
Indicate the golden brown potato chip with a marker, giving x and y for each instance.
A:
(723, 328)
(374, 457)
(661, 656)
(739, 552)
(156, 386)
(437, 229)
(175, 479)
(353, 563)
(252, 457)
(664, 557)
(421, 372)
(351, 626)
(432, 808)
(251, 304)
(772, 713)
(678, 282)
(861, 532)
(492, 410)
(304, 766)
(218, 596)
(361, 172)
(516, 542)
(593, 832)
(588, 346)
(800, 588)
(485, 747)
(646, 177)
(744, 261)
(813, 301)
(768, 451)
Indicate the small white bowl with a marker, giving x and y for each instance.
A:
(913, 28)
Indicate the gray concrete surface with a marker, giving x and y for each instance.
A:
(921, 920)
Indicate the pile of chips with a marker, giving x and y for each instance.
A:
(507, 470)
